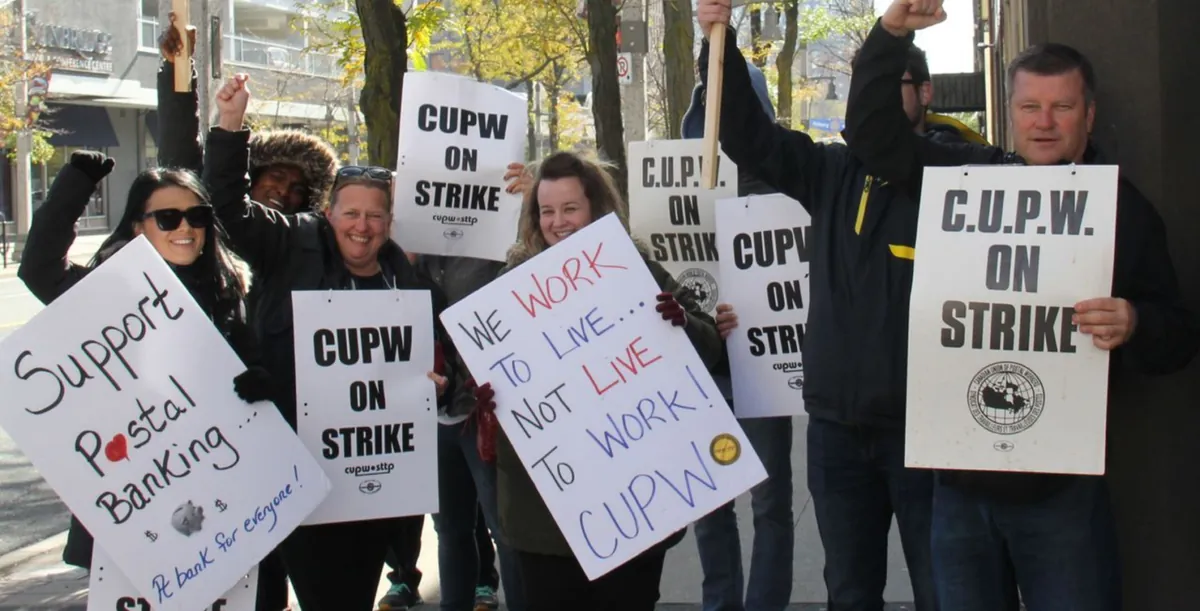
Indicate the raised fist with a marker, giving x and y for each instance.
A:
(95, 164)
(170, 43)
(906, 16)
(232, 99)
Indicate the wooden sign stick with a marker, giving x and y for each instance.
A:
(712, 105)
(183, 61)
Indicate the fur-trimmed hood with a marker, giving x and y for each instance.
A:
(312, 155)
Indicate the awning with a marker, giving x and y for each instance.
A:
(80, 126)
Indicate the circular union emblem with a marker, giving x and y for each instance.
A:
(1006, 398)
(702, 286)
(725, 449)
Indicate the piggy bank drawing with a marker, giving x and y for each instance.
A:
(187, 519)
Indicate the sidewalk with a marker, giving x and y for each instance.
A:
(81, 252)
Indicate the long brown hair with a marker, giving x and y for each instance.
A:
(598, 186)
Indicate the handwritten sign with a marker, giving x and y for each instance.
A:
(608, 406)
(763, 242)
(674, 213)
(999, 378)
(365, 406)
(109, 590)
(457, 136)
(121, 395)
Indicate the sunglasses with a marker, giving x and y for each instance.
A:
(372, 172)
(168, 219)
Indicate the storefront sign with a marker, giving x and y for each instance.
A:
(70, 48)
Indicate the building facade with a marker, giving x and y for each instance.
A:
(105, 58)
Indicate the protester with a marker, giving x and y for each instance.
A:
(856, 342)
(173, 211)
(568, 193)
(290, 170)
(1057, 531)
(333, 567)
(401, 557)
(717, 539)
(466, 484)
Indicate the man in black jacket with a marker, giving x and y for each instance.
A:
(856, 342)
(1057, 531)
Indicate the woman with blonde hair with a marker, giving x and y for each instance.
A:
(568, 192)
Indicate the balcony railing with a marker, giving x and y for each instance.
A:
(278, 56)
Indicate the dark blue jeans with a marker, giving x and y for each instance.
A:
(858, 482)
(466, 484)
(720, 549)
(1063, 550)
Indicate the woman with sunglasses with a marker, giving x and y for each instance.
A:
(333, 567)
(171, 208)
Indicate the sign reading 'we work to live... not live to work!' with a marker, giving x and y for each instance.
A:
(130, 415)
(995, 364)
(457, 136)
(609, 407)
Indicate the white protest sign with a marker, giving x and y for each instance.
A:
(998, 376)
(121, 395)
(365, 407)
(109, 589)
(608, 406)
(763, 245)
(457, 136)
(674, 214)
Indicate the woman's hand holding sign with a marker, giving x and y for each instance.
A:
(1110, 321)
(671, 310)
(726, 320)
(518, 178)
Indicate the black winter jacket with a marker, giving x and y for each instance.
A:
(1167, 334)
(855, 345)
(291, 253)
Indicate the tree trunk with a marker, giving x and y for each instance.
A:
(785, 61)
(756, 41)
(554, 98)
(606, 91)
(678, 41)
(531, 152)
(385, 35)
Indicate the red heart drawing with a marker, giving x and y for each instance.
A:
(116, 450)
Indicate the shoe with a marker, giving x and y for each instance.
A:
(400, 598)
(485, 599)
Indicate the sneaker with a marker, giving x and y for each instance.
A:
(400, 598)
(485, 599)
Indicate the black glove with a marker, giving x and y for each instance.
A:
(95, 164)
(253, 385)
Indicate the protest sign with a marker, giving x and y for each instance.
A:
(365, 406)
(121, 395)
(109, 589)
(608, 406)
(457, 136)
(763, 245)
(673, 212)
(999, 378)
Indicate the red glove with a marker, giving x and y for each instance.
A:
(671, 310)
(485, 414)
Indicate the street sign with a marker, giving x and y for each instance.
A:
(625, 68)
(826, 124)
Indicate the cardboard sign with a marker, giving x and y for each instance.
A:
(999, 378)
(109, 590)
(608, 406)
(763, 241)
(365, 406)
(121, 395)
(457, 136)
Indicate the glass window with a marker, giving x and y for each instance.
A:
(148, 25)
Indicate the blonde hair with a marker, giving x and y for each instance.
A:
(598, 185)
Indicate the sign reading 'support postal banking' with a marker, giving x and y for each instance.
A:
(121, 395)
(457, 137)
(608, 406)
(673, 214)
(999, 377)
